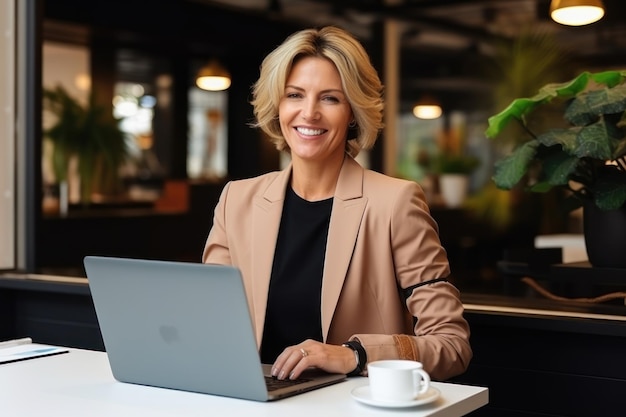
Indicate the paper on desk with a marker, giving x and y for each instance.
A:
(28, 351)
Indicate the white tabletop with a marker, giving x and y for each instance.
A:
(80, 383)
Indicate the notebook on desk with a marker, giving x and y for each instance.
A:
(183, 326)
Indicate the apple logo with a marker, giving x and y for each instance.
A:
(168, 333)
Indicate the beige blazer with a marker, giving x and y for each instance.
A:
(381, 239)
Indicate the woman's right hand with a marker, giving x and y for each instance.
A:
(331, 358)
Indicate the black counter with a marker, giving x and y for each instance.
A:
(50, 309)
(545, 361)
(538, 357)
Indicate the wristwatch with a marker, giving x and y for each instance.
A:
(360, 356)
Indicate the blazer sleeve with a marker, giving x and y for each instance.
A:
(441, 334)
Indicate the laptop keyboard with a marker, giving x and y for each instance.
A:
(274, 383)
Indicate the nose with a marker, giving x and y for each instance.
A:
(310, 110)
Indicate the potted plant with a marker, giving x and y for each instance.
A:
(453, 170)
(87, 133)
(575, 139)
(453, 163)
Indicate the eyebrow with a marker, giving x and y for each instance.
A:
(330, 90)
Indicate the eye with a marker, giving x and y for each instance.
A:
(331, 99)
(293, 94)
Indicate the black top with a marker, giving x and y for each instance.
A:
(294, 299)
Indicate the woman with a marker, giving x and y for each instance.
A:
(341, 265)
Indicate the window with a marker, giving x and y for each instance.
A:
(207, 153)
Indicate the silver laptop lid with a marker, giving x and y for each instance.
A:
(176, 325)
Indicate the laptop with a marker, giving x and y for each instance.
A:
(184, 326)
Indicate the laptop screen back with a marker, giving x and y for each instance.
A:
(176, 325)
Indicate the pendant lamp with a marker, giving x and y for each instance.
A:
(427, 108)
(213, 77)
(576, 12)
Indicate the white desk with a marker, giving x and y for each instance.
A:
(80, 383)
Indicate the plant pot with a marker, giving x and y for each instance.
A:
(55, 200)
(453, 188)
(605, 236)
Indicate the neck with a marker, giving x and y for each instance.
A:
(315, 182)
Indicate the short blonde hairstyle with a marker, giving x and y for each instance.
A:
(359, 79)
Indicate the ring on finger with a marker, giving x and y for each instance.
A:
(304, 353)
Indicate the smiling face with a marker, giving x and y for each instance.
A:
(314, 112)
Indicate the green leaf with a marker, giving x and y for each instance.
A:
(595, 141)
(587, 107)
(510, 170)
(556, 168)
(522, 106)
(567, 89)
(541, 187)
(515, 110)
(610, 195)
(567, 138)
(609, 78)
(455, 163)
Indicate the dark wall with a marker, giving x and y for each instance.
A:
(128, 232)
(170, 36)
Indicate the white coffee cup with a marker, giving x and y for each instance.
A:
(397, 380)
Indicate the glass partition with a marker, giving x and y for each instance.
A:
(7, 135)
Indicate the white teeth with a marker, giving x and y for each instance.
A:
(310, 132)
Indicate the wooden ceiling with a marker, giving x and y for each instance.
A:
(441, 40)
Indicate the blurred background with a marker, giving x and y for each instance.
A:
(149, 150)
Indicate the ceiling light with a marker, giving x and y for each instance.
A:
(213, 77)
(427, 108)
(576, 12)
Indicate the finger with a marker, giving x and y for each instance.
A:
(303, 362)
(291, 362)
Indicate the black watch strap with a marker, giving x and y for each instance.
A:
(360, 354)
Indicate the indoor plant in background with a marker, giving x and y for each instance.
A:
(454, 170)
(452, 165)
(581, 150)
(88, 134)
(518, 68)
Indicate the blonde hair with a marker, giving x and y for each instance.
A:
(359, 79)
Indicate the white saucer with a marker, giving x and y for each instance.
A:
(363, 395)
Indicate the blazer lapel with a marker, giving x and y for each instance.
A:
(348, 208)
(266, 211)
